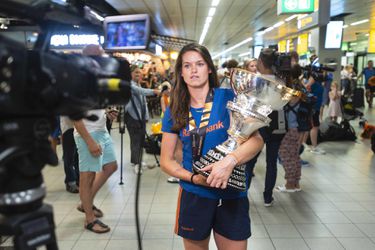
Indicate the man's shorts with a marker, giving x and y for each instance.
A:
(90, 163)
(197, 216)
(315, 118)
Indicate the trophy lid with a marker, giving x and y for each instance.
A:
(267, 89)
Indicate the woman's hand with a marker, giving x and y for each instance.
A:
(220, 172)
(94, 148)
(199, 179)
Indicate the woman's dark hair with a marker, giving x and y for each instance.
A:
(180, 97)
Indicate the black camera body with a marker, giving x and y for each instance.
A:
(316, 72)
(283, 62)
(35, 86)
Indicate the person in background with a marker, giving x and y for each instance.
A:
(369, 73)
(290, 145)
(136, 116)
(273, 134)
(314, 85)
(251, 65)
(334, 108)
(327, 88)
(204, 204)
(97, 160)
(70, 155)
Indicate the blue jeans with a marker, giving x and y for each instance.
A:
(70, 157)
(272, 151)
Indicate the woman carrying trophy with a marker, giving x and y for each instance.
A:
(199, 117)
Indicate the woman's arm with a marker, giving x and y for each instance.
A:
(170, 152)
(221, 170)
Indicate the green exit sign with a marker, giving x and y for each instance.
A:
(295, 6)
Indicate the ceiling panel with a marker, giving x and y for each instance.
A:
(235, 20)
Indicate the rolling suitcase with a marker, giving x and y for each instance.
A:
(358, 97)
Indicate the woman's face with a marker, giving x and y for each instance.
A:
(194, 70)
(252, 66)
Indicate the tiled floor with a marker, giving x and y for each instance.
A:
(335, 210)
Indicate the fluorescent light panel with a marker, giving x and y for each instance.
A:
(345, 26)
(212, 11)
(278, 24)
(233, 47)
(359, 22)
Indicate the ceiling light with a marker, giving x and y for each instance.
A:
(345, 26)
(278, 24)
(215, 3)
(209, 19)
(99, 17)
(268, 29)
(302, 16)
(290, 18)
(367, 34)
(359, 22)
(212, 11)
(233, 47)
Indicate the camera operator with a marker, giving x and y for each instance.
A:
(314, 85)
(97, 160)
(136, 116)
(273, 134)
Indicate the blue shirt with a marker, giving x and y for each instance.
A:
(216, 133)
(317, 90)
(368, 74)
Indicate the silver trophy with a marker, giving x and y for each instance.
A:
(256, 97)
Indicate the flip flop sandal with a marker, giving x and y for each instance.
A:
(97, 212)
(90, 227)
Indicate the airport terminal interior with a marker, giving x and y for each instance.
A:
(333, 207)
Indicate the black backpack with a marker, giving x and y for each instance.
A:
(373, 142)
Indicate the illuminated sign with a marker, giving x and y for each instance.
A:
(282, 46)
(303, 44)
(295, 6)
(75, 40)
(371, 42)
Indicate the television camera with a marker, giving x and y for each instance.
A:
(35, 86)
(316, 70)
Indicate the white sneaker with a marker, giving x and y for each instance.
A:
(137, 169)
(173, 180)
(317, 151)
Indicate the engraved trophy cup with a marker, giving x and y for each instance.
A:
(256, 97)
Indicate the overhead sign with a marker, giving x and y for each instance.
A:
(303, 44)
(308, 22)
(282, 46)
(371, 42)
(295, 6)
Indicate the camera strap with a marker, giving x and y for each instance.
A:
(197, 135)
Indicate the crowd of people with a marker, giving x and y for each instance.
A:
(196, 97)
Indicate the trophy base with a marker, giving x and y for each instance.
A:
(237, 179)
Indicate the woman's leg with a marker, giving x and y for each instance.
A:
(223, 243)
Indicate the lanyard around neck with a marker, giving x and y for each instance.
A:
(197, 135)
